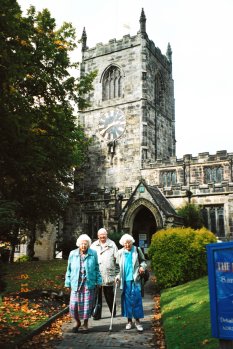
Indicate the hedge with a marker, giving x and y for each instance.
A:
(178, 255)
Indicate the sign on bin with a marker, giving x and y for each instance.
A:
(220, 274)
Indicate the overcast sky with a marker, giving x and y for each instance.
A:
(200, 34)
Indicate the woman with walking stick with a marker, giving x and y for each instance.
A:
(129, 278)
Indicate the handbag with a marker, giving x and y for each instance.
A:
(97, 308)
(146, 275)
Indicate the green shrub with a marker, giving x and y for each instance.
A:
(178, 255)
(23, 259)
(192, 216)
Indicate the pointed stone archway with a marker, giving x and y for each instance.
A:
(144, 226)
(142, 220)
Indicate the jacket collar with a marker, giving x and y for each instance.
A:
(107, 243)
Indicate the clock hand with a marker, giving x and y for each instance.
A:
(109, 126)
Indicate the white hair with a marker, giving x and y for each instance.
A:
(102, 231)
(126, 237)
(83, 237)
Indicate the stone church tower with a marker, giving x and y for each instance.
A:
(131, 118)
(131, 121)
(133, 181)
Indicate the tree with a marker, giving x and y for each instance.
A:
(192, 216)
(40, 140)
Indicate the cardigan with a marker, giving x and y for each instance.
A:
(136, 265)
(93, 276)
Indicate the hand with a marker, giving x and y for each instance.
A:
(141, 270)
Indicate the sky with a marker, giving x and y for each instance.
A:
(200, 34)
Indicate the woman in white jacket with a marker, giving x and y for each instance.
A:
(129, 278)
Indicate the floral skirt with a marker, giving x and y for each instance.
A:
(131, 301)
(81, 303)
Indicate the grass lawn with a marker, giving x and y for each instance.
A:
(37, 275)
(22, 308)
(186, 316)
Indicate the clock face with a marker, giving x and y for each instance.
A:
(112, 124)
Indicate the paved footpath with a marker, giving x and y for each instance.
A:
(100, 337)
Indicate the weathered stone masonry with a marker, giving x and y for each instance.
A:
(133, 181)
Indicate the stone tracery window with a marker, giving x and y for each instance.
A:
(213, 217)
(213, 174)
(112, 83)
(168, 178)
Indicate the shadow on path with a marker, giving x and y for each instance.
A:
(99, 335)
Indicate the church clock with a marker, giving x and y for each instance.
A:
(112, 124)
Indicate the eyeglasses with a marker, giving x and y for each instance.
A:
(84, 244)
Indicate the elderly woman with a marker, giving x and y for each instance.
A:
(82, 276)
(129, 277)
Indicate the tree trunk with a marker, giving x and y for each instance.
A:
(14, 240)
(31, 242)
(12, 253)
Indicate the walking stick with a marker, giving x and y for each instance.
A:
(113, 306)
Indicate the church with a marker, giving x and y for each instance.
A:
(133, 181)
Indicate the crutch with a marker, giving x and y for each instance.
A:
(113, 306)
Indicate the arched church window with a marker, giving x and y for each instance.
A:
(111, 94)
(112, 83)
(120, 86)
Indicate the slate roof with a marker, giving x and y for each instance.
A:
(157, 196)
(160, 200)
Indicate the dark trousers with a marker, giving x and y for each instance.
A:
(109, 296)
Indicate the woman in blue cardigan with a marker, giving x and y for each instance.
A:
(130, 283)
(82, 277)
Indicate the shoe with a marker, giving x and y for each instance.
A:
(128, 326)
(75, 329)
(85, 330)
(138, 327)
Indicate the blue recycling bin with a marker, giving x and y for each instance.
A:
(220, 276)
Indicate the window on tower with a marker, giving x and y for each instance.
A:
(112, 83)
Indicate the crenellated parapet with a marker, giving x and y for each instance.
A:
(203, 174)
(112, 46)
(204, 157)
(127, 42)
(165, 61)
